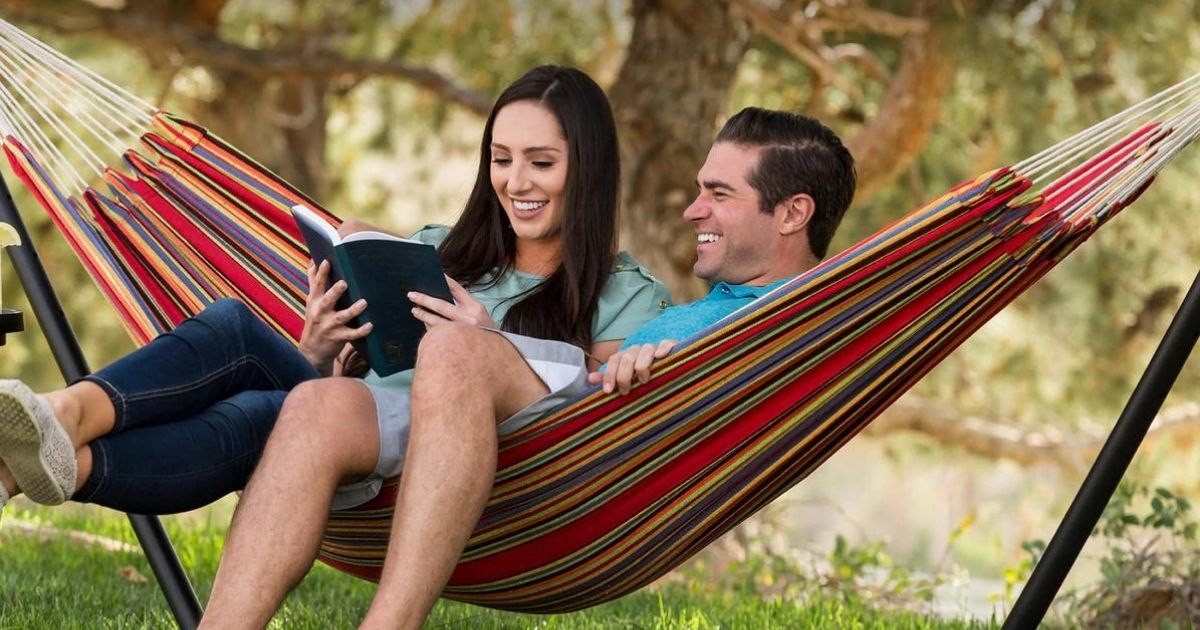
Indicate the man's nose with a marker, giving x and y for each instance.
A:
(696, 210)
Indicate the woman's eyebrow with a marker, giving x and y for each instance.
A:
(528, 150)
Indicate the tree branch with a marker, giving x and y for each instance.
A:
(994, 439)
(790, 33)
(889, 142)
(152, 33)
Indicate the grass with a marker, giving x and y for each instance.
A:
(52, 582)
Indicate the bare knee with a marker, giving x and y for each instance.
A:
(331, 417)
(464, 349)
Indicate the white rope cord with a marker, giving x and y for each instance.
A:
(36, 139)
(48, 113)
(1137, 112)
(71, 94)
(102, 86)
(43, 85)
(1102, 141)
(1185, 130)
(1127, 176)
(53, 92)
(1067, 153)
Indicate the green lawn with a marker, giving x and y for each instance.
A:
(52, 582)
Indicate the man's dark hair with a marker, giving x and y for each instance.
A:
(799, 155)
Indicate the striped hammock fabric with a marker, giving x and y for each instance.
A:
(606, 493)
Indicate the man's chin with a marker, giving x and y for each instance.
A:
(704, 272)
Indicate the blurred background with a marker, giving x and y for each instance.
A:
(375, 108)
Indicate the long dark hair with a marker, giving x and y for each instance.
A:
(482, 241)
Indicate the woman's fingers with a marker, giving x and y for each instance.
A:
(664, 348)
(345, 316)
(428, 318)
(441, 308)
(319, 279)
(457, 291)
(350, 334)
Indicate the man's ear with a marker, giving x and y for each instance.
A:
(793, 214)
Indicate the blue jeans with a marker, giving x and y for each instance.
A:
(193, 408)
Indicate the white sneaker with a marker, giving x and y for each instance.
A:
(34, 445)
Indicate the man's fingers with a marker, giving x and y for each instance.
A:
(625, 371)
(641, 365)
(610, 373)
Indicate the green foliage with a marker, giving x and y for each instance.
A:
(1150, 569)
(858, 576)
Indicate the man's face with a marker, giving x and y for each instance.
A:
(735, 241)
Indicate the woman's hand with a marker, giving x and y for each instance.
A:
(465, 309)
(325, 328)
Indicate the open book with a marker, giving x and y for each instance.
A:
(381, 269)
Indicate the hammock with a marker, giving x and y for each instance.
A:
(606, 493)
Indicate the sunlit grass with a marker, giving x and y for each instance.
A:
(48, 581)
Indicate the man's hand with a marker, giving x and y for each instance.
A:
(632, 363)
(465, 309)
(325, 330)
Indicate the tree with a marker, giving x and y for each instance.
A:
(927, 93)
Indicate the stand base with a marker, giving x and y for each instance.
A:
(11, 321)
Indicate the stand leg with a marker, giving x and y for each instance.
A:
(46, 307)
(1110, 466)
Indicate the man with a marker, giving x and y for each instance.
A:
(771, 194)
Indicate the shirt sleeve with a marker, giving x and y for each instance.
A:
(431, 234)
(630, 298)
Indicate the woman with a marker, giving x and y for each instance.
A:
(182, 421)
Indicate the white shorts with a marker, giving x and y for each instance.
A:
(561, 366)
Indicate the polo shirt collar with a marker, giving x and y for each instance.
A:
(724, 290)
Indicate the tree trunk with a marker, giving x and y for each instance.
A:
(281, 124)
(890, 141)
(689, 49)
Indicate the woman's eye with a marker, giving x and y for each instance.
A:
(543, 165)
(502, 161)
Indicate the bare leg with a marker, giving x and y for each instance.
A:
(326, 435)
(450, 463)
(84, 410)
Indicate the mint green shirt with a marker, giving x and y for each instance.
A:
(631, 297)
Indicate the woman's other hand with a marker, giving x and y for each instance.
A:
(465, 309)
(326, 329)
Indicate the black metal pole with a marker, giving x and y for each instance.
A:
(1110, 465)
(71, 362)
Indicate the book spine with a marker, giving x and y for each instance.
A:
(370, 346)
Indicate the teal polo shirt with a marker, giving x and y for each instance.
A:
(683, 321)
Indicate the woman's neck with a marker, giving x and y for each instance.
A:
(539, 257)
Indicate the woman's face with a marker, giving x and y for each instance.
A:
(529, 169)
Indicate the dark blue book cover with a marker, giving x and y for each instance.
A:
(381, 269)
